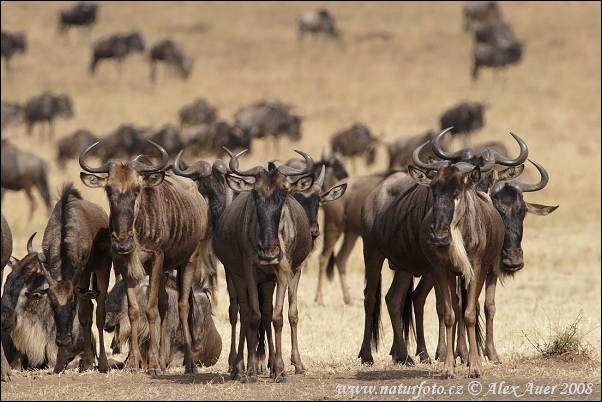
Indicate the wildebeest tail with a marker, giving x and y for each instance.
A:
(330, 267)
(478, 329)
(43, 186)
(407, 319)
(376, 324)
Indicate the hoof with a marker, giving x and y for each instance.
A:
(281, 380)
(447, 376)
(193, 370)
(7, 378)
(235, 377)
(155, 371)
(249, 380)
(497, 362)
(300, 371)
(475, 375)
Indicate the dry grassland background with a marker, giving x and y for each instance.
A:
(246, 51)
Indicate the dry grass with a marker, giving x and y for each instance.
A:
(246, 51)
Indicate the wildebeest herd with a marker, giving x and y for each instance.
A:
(451, 218)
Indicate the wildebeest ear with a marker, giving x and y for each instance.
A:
(334, 193)
(541, 210)
(303, 183)
(12, 261)
(91, 180)
(238, 184)
(88, 294)
(37, 295)
(418, 175)
(154, 179)
(473, 177)
(511, 173)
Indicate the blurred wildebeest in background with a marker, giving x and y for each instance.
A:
(316, 22)
(70, 146)
(465, 118)
(168, 136)
(12, 114)
(488, 55)
(116, 46)
(81, 15)
(206, 340)
(497, 33)
(12, 43)
(7, 251)
(211, 138)
(169, 52)
(400, 151)
(354, 141)
(125, 142)
(268, 118)
(45, 108)
(197, 112)
(477, 12)
(22, 170)
(28, 329)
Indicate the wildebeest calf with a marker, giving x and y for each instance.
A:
(116, 46)
(169, 52)
(45, 108)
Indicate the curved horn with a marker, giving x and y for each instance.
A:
(464, 154)
(141, 167)
(320, 180)
(82, 162)
(234, 165)
(426, 166)
(534, 187)
(521, 158)
(289, 171)
(45, 271)
(199, 168)
(30, 243)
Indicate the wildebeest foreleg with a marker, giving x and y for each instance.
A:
(134, 359)
(349, 240)
(102, 278)
(156, 291)
(187, 276)
(278, 372)
(233, 315)
(490, 286)
(395, 299)
(266, 295)
(293, 318)
(84, 314)
(471, 318)
(445, 290)
(32, 202)
(422, 290)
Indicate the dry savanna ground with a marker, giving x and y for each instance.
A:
(415, 65)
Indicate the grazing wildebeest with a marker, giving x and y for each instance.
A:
(478, 12)
(12, 114)
(72, 145)
(23, 170)
(354, 141)
(45, 108)
(12, 43)
(262, 238)
(199, 111)
(116, 46)
(400, 151)
(464, 118)
(316, 22)
(488, 55)
(169, 52)
(269, 118)
(206, 340)
(76, 246)
(158, 222)
(7, 250)
(430, 223)
(28, 328)
(211, 139)
(82, 15)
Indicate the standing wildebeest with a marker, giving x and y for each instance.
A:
(262, 238)
(45, 108)
(316, 22)
(76, 248)
(464, 118)
(206, 340)
(430, 223)
(477, 12)
(81, 15)
(270, 118)
(28, 328)
(168, 135)
(212, 138)
(400, 151)
(125, 142)
(7, 250)
(71, 146)
(12, 114)
(197, 112)
(488, 55)
(12, 43)
(23, 170)
(353, 141)
(158, 221)
(116, 46)
(169, 52)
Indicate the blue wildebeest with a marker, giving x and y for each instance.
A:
(82, 15)
(317, 22)
(116, 46)
(22, 170)
(197, 112)
(206, 340)
(158, 222)
(495, 45)
(262, 239)
(12, 43)
(170, 53)
(7, 250)
(29, 335)
(76, 247)
(212, 138)
(45, 108)
(400, 151)
(72, 145)
(12, 114)
(355, 141)
(432, 222)
(477, 12)
(464, 118)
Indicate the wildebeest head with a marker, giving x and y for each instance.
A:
(270, 187)
(64, 106)
(135, 42)
(123, 184)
